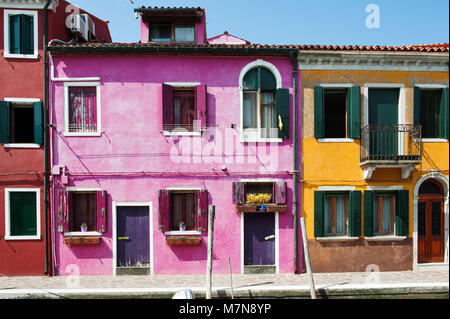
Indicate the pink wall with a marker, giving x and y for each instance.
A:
(132, 141)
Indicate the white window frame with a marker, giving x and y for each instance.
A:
(182, 131)
(67, 85)
(8, 235)
(27, 101)
(251, 135)
(6, 15)
(82, 189)
(432, 86)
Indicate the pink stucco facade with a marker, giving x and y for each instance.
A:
(132, 159)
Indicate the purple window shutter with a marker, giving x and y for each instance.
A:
(101, 211)
(279, 193)
(167, 107)
(63, 211)
(239, 193)
(200, 104)
(164, 209)
(201, 204)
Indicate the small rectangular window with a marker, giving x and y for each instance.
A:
(21, 34)
(256, 188)
(82, 109)
(269, 125)
(184, 112)
(335, 111)
(383, 214)
(22, 214)
(184, 33)
(430, 112)
(22, 123)
(161, 33)
(182, 210)
(335, 215)
(82, 211)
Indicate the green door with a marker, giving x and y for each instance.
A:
(383, 120)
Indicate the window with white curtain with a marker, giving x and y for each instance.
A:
(259, 105)
(335, 215)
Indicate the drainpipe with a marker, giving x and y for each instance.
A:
(44, 44)
(293, 56)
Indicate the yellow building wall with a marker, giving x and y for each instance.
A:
(337, 163)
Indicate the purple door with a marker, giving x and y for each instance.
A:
(259, 239)
(133, 237)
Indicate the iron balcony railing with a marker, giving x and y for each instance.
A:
(400, 142)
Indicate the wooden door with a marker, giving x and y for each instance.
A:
(259, 239)
(430, 229)
(133, 237)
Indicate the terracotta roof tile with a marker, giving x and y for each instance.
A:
(424, 48)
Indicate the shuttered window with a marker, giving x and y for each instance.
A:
(337, 112)
(189, 207)
(386, 213)
(21, 34)
(277, 190)
(337, 213)
(22, 213)
(431, 111)
(21, 122)
(82, 207)
(184, 109)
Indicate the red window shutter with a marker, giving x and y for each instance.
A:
(239, 193)
(63, 211)
(101, 211)
(164, 210)
(201, 202)
(279, 193)
(200, 104)
(167, 107)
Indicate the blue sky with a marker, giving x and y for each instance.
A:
(401, 22)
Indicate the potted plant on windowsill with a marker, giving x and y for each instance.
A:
(84, 227)
(182, 226)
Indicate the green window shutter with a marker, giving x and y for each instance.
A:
(251, 80)
(319, 202)
(14, 33)
(354, 112)
(416, 105)
(283, 113)
(5, 122)
(402, 213)
(267, 79)
(22, 213)
(354, 218)
(38, 123)
(368, 213)
(27, 34)
(444, 114)
(319, 125)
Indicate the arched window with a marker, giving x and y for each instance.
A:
(259, 86)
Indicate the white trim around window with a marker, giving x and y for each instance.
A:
(6, 15)
(8, 235)
(67, 85)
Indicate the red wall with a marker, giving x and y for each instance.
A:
(23, 168)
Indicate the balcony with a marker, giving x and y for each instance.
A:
(390, 146)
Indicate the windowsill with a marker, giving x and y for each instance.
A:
(83, 134)
(22, 145)
(335, 140)
(20, 56)
(385, 238)
(8, 237)
(337, 238)
(80, 233)
(261, 140)
(182, 233)
(434, 140)
(175, 133)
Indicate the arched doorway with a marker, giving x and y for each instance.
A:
(430, 222)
